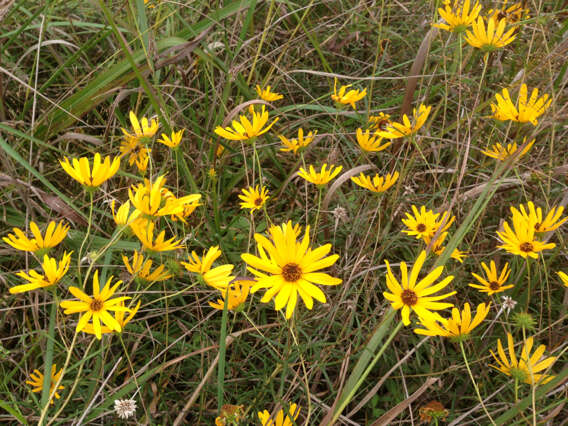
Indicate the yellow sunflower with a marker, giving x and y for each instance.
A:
(322, 177)
(410, 295)
(526, 111)
(501, 153)
(245, 129)
(267, 95)
(253, 197)
(458, 17)
(52, 274)
(91, 178)
(495, 281)
(287, 268)
(36, 381)
(297, 144)
(281, 418)
(97, 307)
(458, 327)
(370, 143)
(54, 234)
(238, 293)
(398, 130)
(491, 37)
(424, 224)
(520, 239)
(347, 97)
(533, 216)
(376, 183)
(528, 367)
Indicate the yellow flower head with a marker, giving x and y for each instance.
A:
(491, 38)
(520, 239)
(458, 327)
(39, 244)
(173, 141)
(527, 367)
(245, 129)
(287, 267)
(143, 130)
(52, 274)
(343, 97)
(140, 268)
(458, 17)
(230, 415)
(119, 316)
(97, 307)
(322, 177)
(398, 130)
(122, 216)
(218, 277)
(238, 293)
(533, 216)
(370, 143)
(137, 153)
(267, 95)
(190, 203)
(438, 248)
(376, 183)
(253, 198)
(154, 200)
(410, 295)
(297, 144)
(525, 111)
(513, 14)
(499, 152)
(379, 122)
(563, 277)
(91, 178)
(281, 418)
(144, 230)
(36, 381)
(425, 223)
(495, 282)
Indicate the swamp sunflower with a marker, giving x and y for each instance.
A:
(245, 129)
(458, 327)
(520, 239)
(345, 97)
(376, 183)
(323, 177)
(268, 96)
(412, 295)
(527, 368)
(494, 281)
(396, 130)
(489, 37)
(297, 144)
(458, 16)
(52, 274)
(91, 178)
(40, 244)
(525, 110)
(96, 308)
(36, 381)
(281, 418)
(253, 197)
(501, 153)
(287, 267)
(370, 143)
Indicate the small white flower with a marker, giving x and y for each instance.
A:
(508, 304)
(124, 408)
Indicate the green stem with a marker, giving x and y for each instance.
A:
(80, 254)
(320, 190)
(222, 351)
(475, 384)
(49, 352)
(352, 392)
(528, 286)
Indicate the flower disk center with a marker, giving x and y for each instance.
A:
(494, 285)
(409, 297)
(96, 305)
(258, 202)
(526, 247)
(291, 272)
(421, 227)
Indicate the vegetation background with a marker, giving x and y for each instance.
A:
(70, 72)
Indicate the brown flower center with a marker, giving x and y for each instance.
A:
(494, 285)
(526, 247)
(537, 227)
(258, 202)
(96, 305)
(409, 297)
(291, 272)
(421, 227)
(382, 124)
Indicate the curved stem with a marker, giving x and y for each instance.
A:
(475, 385)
